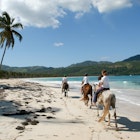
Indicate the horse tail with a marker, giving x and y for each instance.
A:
(113, 101)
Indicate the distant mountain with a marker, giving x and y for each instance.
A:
(130, 66)
(89, 63)
(133, 58)
(31, 69)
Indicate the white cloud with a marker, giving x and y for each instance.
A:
(105, 6)
(40, 13)
(79, 15)
(105, 58)
(58, 44)
(46, 13)
(76, 5)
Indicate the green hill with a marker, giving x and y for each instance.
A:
(133, 58)
(130, 66)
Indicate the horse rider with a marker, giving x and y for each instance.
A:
(65, 80)
(84, 81)
(99, 78)
(103, 85)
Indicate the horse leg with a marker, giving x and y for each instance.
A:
(65, 93)
(86, 100)
(97, 110)
(109, 119)
(105, 112)
(91, 97)
(115, 116)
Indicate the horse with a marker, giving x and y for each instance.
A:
(107, 99)
(87, 90)
(65, 88)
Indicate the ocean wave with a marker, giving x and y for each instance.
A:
(128, 100)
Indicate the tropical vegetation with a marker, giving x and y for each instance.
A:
(8, 32)
(129, 66)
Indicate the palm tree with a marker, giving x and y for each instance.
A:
(7, 33)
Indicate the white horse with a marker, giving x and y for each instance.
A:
(107, 99)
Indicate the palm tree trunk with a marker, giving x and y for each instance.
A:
(2, 57)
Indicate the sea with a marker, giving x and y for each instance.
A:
(126, 88)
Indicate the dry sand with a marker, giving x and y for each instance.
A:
(31, 111)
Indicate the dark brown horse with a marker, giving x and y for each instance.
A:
(87, 90)
(65, 88)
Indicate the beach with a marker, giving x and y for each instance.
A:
(35, 111)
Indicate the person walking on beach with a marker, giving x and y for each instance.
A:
(103, 85)
(84, 81)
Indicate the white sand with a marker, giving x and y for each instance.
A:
(59, 117)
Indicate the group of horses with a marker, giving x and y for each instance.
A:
(107, 99)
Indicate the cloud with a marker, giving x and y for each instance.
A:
(105, 6)
(58, 44)
(105, 58)
(38, 13)
(79, 15)
(46, 13)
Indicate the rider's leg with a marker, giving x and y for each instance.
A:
(96, 94)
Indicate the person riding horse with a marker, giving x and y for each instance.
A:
(103, 85)
(84, 81)
(86, 90)
(65, 83)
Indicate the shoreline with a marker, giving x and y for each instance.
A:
(52, 116)
(130, 109)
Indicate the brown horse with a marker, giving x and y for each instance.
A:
(65, 88)
(87, 90)
(107, 99)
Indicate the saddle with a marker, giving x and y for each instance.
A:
(102, 91)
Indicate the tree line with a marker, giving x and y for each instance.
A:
(118, 68)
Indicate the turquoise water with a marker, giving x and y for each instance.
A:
(126, 88)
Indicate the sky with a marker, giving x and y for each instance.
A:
(58, 33)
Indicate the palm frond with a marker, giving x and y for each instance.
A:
(6, 17)
(18, 35)
(12, 20)
(17, 25)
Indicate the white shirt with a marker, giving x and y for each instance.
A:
(64, 80)
(105, 81)
(85, 80)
